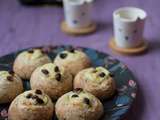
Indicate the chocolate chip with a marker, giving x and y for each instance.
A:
(86, 101)
(11, 72)
(43, 51)
(9, 78)
(77, 90)
(31, 51)
(38, 92)
(39, 100)
(75, 95)
(56, 69)
(63, 55)
(29, 95)
(112, 75)
(58, 76)
(71, 50)
(34, 96)
(44, 71)
(102, 74)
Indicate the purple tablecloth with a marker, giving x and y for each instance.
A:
(22, 27)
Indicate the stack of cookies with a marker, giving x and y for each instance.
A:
(68, 86)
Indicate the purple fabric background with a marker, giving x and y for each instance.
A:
(22, 27)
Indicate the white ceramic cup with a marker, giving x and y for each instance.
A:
(78, 13)
(129, 26)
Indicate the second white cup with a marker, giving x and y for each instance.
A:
(129, 26)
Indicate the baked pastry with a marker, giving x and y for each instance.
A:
(53, 80)
(31, 105)
(72, 60)
(78, 105)
(10, 86)
(27, 61)
(97, 81)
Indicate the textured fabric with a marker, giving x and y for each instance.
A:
(22, 27)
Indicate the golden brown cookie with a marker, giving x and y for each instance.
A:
(53, 80)
(97, 81)
(27, 61)
(10, 86)
(31, 105)
(78, 105)
(73, 61)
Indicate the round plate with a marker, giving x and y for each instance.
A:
(116, 107)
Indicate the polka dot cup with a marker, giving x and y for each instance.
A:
(78, 13)
(129, 26)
